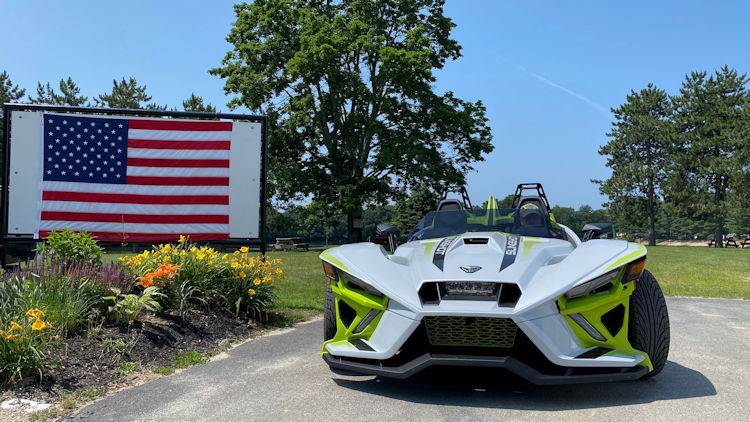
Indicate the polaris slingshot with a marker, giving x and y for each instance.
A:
(495, 287)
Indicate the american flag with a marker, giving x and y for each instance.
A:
(135, 180)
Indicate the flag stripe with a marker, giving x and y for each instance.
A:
(135, 218)
(182, 136)
(177, 171)
(117, 208)
(153, 162)
(145, 143)
(134, 189)
(183, 181)
(147, 237)
(119, 198)
(171, 154)
(92, 226)
(180, 125)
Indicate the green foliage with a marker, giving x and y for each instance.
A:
(417, 204)
(69, 94)
(66, 304)
(637, 153)
(71, 400)
(129, 367)
(163, 370)
(187, 359)
(348, 88)
(127, 308)
(709, 174)
(576, 219)
(73, 246)
(195, 103)
(23, 344)
(125, 94)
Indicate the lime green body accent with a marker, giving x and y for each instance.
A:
(326, 256)
(428, 245)
(362, 303)
(528, 242)
(640, 251)
(552, 218)
(592, 307)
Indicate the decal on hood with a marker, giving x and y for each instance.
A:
(439, 257)
(511, 251)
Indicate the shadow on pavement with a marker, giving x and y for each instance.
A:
(496, 388)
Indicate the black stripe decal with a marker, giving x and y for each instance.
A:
(511, 251)
(439, 257)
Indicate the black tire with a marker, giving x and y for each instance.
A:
(648, 328)
(329, 315)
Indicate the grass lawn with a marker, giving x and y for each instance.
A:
(681, 271)
(701, 271)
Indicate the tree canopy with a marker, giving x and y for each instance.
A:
(69, 94)
(348, 88)
(195, 103)
(126, 94)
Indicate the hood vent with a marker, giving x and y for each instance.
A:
(475, 240)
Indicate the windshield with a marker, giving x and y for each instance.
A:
(530, 221)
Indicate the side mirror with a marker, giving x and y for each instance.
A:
(387, 235)
(598, 231)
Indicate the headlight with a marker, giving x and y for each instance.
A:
(591, 285)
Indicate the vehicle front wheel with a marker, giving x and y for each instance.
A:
(648, 328)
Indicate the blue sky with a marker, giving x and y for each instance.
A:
(548, 72)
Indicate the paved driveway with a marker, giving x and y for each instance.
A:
(280, 377)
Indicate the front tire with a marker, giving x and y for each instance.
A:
(648, 328)
(329, 315)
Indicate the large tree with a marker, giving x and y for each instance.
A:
(348, 86)
(637, 153)
(709, 169)
(69, 94)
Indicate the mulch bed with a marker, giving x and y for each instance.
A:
(94, 357)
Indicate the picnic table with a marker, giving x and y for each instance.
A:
(291, 244)
(732, 242)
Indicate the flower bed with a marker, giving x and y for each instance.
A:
(45, 302)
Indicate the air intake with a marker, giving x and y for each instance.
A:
(470, 331)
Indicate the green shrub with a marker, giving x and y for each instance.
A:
(23, 347)
(66, 304)
(127, 308)
(163, 370)
(73, 246)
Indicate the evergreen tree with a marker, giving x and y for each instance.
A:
(124, 94)
(195, 103)
(710, 144)
(44, 94)
(410, 210)
(637, 154)
(69, 94)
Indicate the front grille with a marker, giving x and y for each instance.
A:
(470, 331)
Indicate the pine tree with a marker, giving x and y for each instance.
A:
(710, 146)
(8, 93)
(124, 94)
(637, 154)
(195, 103)
(69, 94)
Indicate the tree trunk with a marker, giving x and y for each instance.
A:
(353, 235)
(719, 233)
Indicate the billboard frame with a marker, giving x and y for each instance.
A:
(8, 108)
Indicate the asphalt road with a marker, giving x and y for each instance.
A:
(281, 377)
